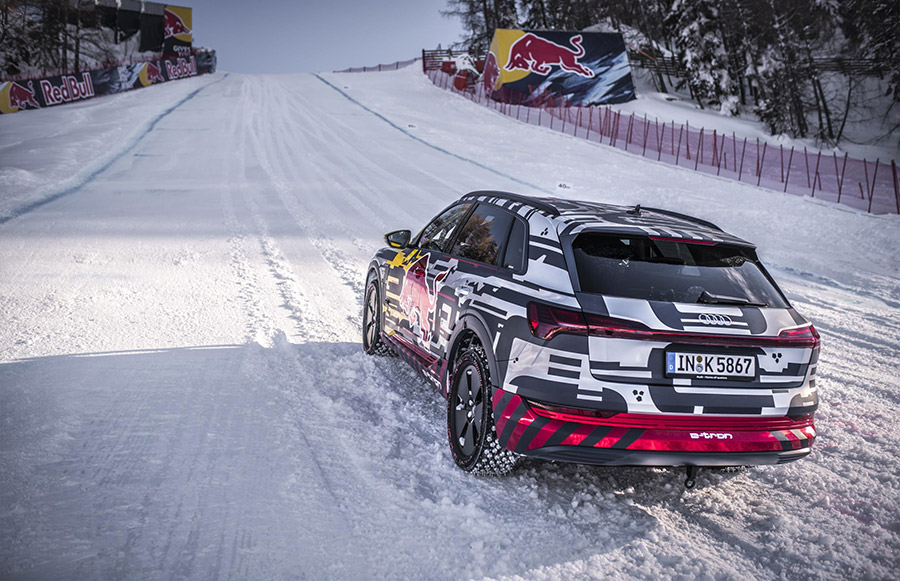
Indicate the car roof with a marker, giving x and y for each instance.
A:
(577, 216)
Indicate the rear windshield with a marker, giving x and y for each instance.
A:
(672, 271)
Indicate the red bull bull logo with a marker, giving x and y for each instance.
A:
(175, 26)
(536, 54)
(19, 97)
(154, 75)
(70, 89)
(416, 299)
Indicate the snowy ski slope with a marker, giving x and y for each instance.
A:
(183, 395)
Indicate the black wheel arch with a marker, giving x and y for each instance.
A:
(468, 325)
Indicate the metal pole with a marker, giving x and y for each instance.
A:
(806, 158)
(837, 176)
(687, 130)
(699, 150)
(843, 173)
(896, 184)
(678, 154)
(866, 167)
(781, 156)
(660, 139)
(615, 136)
(715, 151)
(743, 151)
(874, 179)
(734, 148)
(628, 131)
(762, 163)
(646, 135)
(790, 159)
(816, 174)
(590, 123)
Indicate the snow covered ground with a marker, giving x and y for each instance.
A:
(183, 395)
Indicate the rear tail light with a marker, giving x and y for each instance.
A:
(805, 336)
(547, 321)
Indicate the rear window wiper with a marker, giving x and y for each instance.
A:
(711, 299)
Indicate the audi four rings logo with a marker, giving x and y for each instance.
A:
(723, 320)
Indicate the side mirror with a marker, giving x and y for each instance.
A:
(398, 238)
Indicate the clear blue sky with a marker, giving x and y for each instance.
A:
(271, 36)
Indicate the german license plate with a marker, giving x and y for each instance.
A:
(708, 366)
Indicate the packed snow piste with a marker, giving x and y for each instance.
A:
(531, 67)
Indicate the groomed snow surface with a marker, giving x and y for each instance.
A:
(183, 394)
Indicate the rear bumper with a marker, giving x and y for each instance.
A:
(649, 440)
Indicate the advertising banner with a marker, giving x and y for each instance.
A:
(178, 34)
(39, 93)
(584, 68)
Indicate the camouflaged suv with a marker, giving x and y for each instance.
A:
(598, 334)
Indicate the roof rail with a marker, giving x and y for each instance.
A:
(700, 221)
(539, 204)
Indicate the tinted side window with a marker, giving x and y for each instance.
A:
(483, 235)
(436, 235)
(516, 247)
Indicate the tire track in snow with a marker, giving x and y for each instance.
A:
(431, 145)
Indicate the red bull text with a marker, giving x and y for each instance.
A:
(182, 68)
(71, 89)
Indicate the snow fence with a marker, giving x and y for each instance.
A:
(872, 187)
(56, 90)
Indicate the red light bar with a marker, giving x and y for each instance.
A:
(546, 322)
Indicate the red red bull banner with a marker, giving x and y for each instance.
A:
(40, 93)
(178, 34)
(583, 68)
